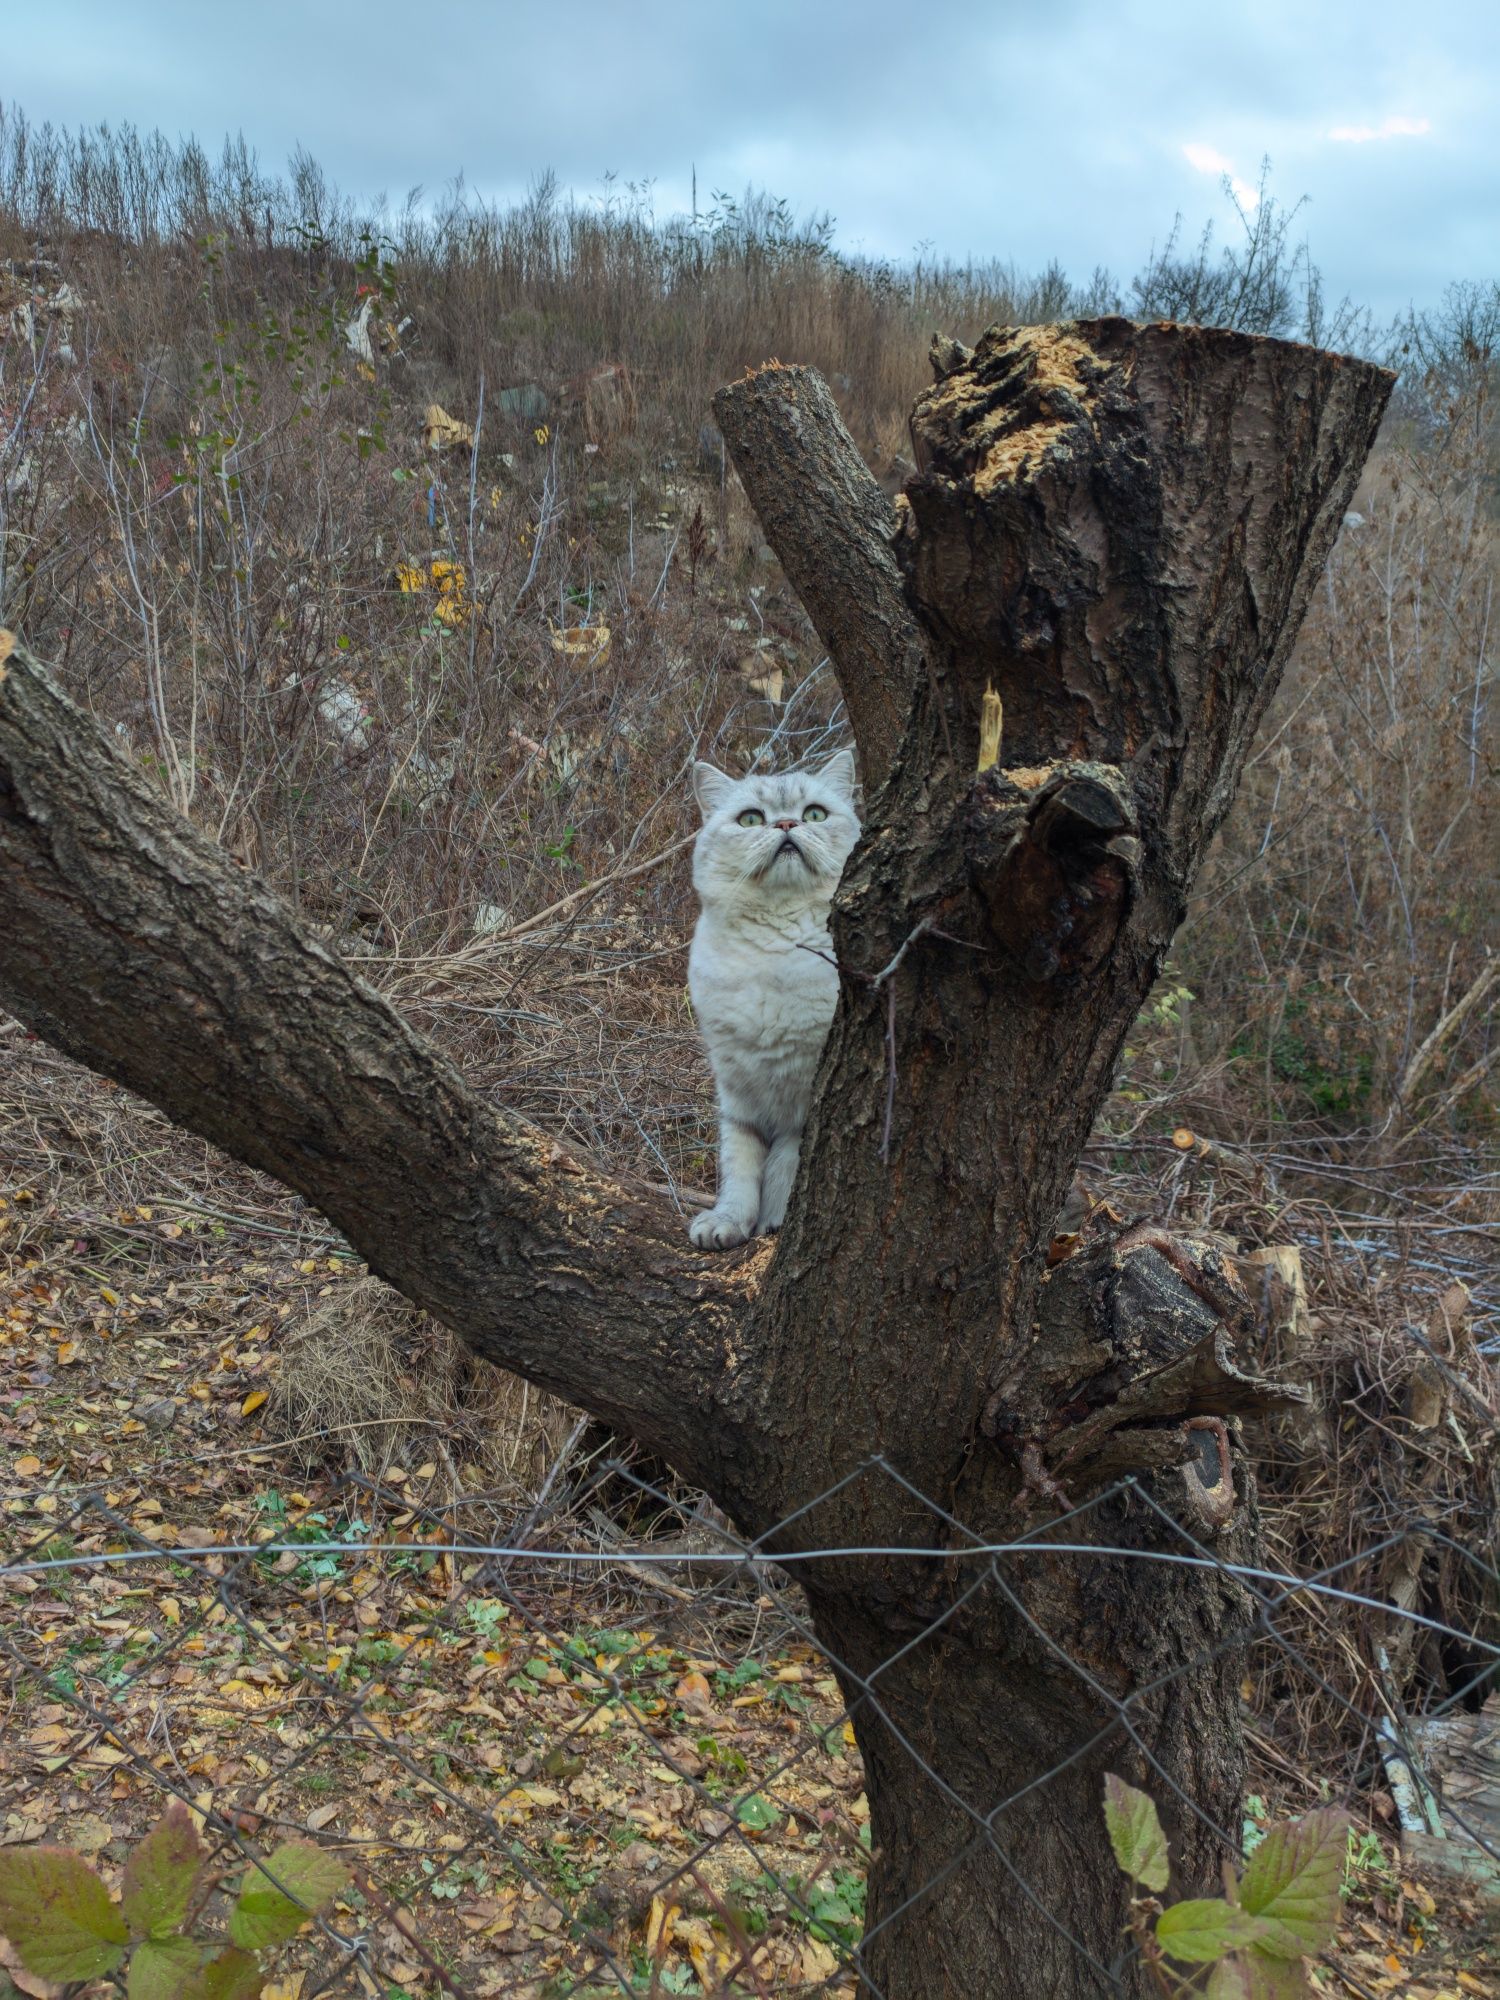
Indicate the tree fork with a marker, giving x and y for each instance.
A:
(1112, 534)
(132, 941)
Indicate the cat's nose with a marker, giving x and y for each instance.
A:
(785, 825)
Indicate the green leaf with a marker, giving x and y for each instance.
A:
(57, 1914)
(1292, 1880)
(1135, 1833)
(281, 1893)
(757, 1813)
(162, 1968)
(230, 1975)
(1204, 1930)
(159, 1876)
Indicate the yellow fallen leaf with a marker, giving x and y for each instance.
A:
(253, 1401)
(1419, 1897)
(110, 1298)
(28, 1465)
(710, 1959)
(243, 1693)
(68, 1353)
(818, 1962)
(660, 1925)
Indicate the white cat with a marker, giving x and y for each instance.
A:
(761, 972)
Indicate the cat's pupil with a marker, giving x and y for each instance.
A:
(816, 812)
(752, 817)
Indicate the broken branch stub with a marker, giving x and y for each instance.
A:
(1118, 527)
(1141, 1342)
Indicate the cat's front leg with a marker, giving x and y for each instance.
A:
(731, 1220)
(776, 1182)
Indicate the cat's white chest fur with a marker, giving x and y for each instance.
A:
(764, 991)
(761, 973)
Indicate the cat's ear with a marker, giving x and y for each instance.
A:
(711, 787)
(838, 773)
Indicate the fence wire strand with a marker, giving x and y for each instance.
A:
(532, 1874)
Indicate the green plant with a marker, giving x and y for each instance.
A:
(487, 1615)
(1251, 1942)
(64, 1925)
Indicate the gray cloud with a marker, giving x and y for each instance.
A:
(978, 130)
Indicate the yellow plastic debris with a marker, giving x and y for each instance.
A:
(588, 645)
(440, 432)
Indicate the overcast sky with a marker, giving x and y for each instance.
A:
(1073, 129)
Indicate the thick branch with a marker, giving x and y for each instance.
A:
(132, 942)
(831, 527)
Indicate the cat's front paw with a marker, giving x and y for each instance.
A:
(719, 1229)
(771, 1217)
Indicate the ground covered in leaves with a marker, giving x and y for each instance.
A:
(547, 1777)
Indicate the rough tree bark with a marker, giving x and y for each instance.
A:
(1115, 528)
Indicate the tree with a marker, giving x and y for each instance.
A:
(1109, 543)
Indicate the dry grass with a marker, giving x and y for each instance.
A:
(205, 497)
(367, 1381)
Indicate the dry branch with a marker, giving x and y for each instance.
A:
(135, 944)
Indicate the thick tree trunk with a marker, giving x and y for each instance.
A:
(985, 1752)
(1113, 532)
(1114, 529)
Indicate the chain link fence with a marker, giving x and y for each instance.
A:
(592, 1747)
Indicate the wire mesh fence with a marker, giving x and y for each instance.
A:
(594, 1746)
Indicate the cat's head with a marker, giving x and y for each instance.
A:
(774, 837)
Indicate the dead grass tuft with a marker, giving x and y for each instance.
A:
(368, 1382)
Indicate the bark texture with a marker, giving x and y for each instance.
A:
(1115, 529)
(833, 532)
(131, 940)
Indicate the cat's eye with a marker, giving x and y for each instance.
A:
(752, 816)
(815, 812)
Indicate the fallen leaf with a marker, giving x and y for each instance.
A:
(660, 1925)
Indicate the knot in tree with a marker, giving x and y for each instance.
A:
(1054, 650)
